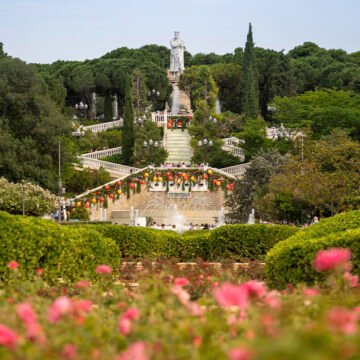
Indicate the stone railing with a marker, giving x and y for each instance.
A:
(231, 146)
(232, 141)
(237, 170)
(133, 172)
(102, 153)
(112, 168)
(98, 127)
(162, 116)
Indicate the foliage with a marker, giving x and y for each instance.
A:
(79, 181)
(30, 126)
(147, 155)
(321, 111)
(291, 261)
(128, 135)
(200, 85)
(324, 183)
(63, 253)
(254, 137)
(79, 213)
(38, 201)
(250, 79)
(239, 242)
(252, 186)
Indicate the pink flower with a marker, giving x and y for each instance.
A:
(228, 295)
(124, 326)
(13, 265)
(181, 282)
(255, 288)
(103, 269)
(272, 299)
(131, 314)
(82, 306)
(60, 307)
(8, 337)
(240, 354)
(332, 259)
(182, 295)
(35, 333)
(125, 320)
(310, 292)
(26, 313)
(135, 351)
(69, 351)
(197, 341)
(351, 279)
(83, 284)
(195, 309)
(39, 271)
(342, 321)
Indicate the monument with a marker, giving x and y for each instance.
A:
(177, 55)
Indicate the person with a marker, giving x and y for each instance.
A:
(191, 227)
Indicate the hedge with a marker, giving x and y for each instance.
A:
(62, 252)
(291, 261)
(235, 242)
(239, 242)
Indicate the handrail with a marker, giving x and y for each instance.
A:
(237, 169)
(96, 164)
(102, 153)
(98, 127)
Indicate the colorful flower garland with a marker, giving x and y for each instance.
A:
(182, 178)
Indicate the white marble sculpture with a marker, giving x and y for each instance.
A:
(177, 54)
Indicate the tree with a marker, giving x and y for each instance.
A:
(325, 181)
(128, 135)
(252, 186)
(250, 79)
(321, 111)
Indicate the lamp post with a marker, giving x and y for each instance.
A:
(153, 95)
(81, 109)
(150, 145)
(206, 145)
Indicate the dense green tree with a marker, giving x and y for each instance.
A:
(324, 181)
(128, 134)
(250, 84)
(321, 111)
(252, 186)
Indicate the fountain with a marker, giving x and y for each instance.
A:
(221, 219)
(175, 108)
(178, 220)
(218, 106)
(251, 220)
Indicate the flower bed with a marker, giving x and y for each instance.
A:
(180, 313)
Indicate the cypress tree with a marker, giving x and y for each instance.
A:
(250, 84)
(128, 134)
(108, 107)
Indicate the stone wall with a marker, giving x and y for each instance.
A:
(201, 207)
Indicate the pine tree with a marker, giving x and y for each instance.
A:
(284, 79)
(128, 134)
(250, 79)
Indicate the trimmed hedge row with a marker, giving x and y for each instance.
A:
(291, 261)
(237, 242)
(62, 252)
(234, 242)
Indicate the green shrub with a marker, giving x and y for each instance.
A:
(237, 242)
(290, 261)
(62, 252)
(79, 213)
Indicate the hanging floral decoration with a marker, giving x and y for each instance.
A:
(179, 122)
(181, 179)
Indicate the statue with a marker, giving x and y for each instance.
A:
(177, 54)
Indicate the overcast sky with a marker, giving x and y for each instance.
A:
(47, 30)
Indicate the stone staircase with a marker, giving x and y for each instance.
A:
(178, 146)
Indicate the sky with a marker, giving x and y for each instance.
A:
(44, 31)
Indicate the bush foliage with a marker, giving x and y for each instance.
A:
(62, 252)
(235, 242)
(290, 261)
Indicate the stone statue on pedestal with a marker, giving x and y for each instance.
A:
(177, 54)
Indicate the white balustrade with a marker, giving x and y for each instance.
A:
(237, 170)
(99, 127)
(102, 153)
(108, 166)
